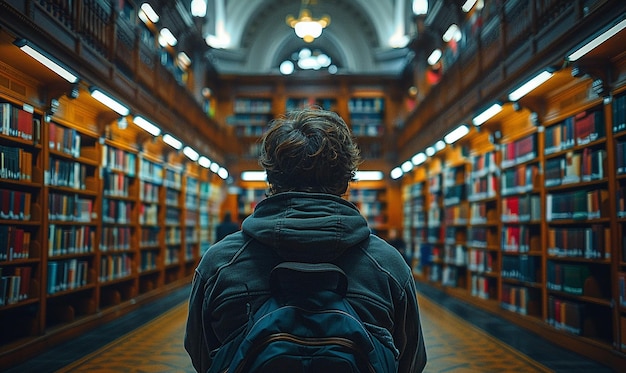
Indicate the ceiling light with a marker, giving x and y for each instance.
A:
(396, 173)
(215, 167)
(148, 14)
(533, 83)
(406, 166)
(420, 7)
(305, 26)
(172, 141)
(487, 114)
(147, 126)
(223, 173)
(452, 33)
(434, 57)
(198, 8)
(439, 145)
(456, 134)
(286, 67)
(167, 38)
(184, 60)
(253, 176)
(368, 175)
(191, 153)
(111, 103)
(469, 4)
(604, 36)
(430, 151)
(419, 158)
(204, 161)
(32, 51)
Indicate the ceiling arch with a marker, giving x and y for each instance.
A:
(260, 38)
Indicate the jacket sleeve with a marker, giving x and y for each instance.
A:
(195, 341)
(409, 330)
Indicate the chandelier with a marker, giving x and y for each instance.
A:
(305, 26)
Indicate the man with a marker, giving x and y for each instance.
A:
(310, 158)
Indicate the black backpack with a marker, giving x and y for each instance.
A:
(307, 325)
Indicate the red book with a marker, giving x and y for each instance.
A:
(25, 274)
(25, 124)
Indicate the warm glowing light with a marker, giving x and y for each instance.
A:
(307, 27)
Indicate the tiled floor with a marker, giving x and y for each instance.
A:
(458, 338)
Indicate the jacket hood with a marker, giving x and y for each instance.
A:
(306, 226)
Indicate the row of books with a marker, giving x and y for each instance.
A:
(15, 205)
(567, 277)
(171, 256)
(481, 237)
(453, 176)
(591, 242)
(367, 126)
(67, 274)
(518, 180)
(519, 151)
(173, 179)
(480, 261)
(526, 208)
(15, 164)
(516, 298)
(366, 105)
(14, 243)
(172, 216)
(521, 267)
(116, 184)
(621, 288)
(566, 315)
(116, 211)
(14, 287)
(148, 260)
(581, 129)
(482, 187)
(69, 207)
(519, 239)
(483, 164)
(66, 173)
(65, 240)
(115, 266)
(456, 214)
(455, 255)
(171, 197)
(481, 286)
(173, 236)
(115, 159)
(454, 194)
(148, 192)
(148, 214)
(621, 201)
(115, 239)
(150, 172)
(575, 167)
(578, 204)
(252, 105)
(149, 236)
(64, 139)
(18, 122)
(482, 213)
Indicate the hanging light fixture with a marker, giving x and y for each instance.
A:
(305, 26)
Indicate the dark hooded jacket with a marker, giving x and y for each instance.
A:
(232, 279)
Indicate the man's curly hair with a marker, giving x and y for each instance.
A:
(309, 150)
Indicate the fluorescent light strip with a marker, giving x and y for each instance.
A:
(369, 175)
(396, 173)
(469, 4)
(430, 151)
(58, 69)
(419, 158)
(434, 57)
(204, 161)
(597, 41)
(456, 134)
(150, 13)
(147, 126)
(533, 83)
(191, 153)
(487, 114)
(215, 167)
(439, 145)
(406, 166)
(223, 173)
(168, 37)
(172, 141)
(253, 176)
(113, 104)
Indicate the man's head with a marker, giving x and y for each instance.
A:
(309, 150)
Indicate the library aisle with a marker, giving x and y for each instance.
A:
(459, 338)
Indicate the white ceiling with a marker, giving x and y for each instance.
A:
(357, 38)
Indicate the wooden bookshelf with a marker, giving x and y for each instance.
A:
(102, 219)
(546, 218)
